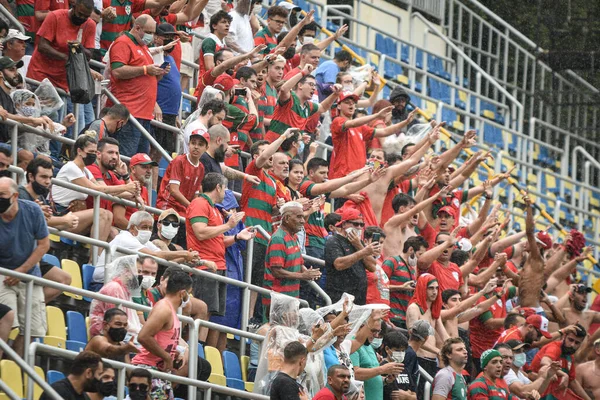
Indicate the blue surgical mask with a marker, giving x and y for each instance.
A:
(148, 38)
(376, 343)
(301, 147)
(519, 360)
(28, 111)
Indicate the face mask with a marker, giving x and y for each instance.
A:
(148, 38)
(412, 261)
(169, 232)
(138, 394)
(376, 343)
(77, 20)
(4, 205)
(398, 356)
(40, 189)
(519, 360)
(117, 334)
(107, 388)
(349, 88)
(257, 9)
(91, 385)
(147, 282)
(289, 53)
(301, 147)
(90, 159)
(185, 302)
(144, 236)
(28, 111)
(308, 40)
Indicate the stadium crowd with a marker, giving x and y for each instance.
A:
(425, 272)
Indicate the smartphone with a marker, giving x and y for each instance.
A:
(164, 65)
(239, 92)
(376, 237)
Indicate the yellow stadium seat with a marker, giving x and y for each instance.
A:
(462, 96)
(489, 114)
(458, 125)
(10, 373)
(72, 268)
(37, 389)
(431, 108)
(249, 387)
(55, 342)
(213, 356)
(54, 238)
(327, 208)
(403, 79)
(230, 336)
(245, 361)
(13, 334)
(87, 327)
(56, 322)
(375, 59)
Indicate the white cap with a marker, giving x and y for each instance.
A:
(289, 6)
(15, 34)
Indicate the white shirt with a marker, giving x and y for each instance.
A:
(126, 240)
(512, 377)
(68, 173)
(240, 32)
(197, 125)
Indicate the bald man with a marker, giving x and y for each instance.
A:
(134, 81)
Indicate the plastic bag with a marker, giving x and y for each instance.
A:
(79, 78)
(362, 73)
(50, 100)
(393, 144)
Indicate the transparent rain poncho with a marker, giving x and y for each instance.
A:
(50, 100)
(394, 143)
(124, 285)
(284, 319)
(208, 94)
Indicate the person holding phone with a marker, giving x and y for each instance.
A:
(397, 384)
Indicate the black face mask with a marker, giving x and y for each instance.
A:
(289, 53)
(397, 113)
(107, 388)
(4, 205)
(5, 173)
(91, 385)
(39, 189)
(117, 334)
(90, 159)
(138, 394)
(77, 20)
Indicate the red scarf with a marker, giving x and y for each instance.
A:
(420, 296)
(365, 208)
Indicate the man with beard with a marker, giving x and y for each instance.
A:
(105, 170)
(513, 354)
(576, 312)
(399, 99)
(535, 327)
(110, 344)
(85, 374)
(112, 122)
(338, 384)
(449, 382)
(489, 384)
(562, 354)
(140, 167)
(284, 267)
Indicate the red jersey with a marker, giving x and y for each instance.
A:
(290, 114)
(57, 29)
(387, 211)
(110, 179)
(349, 150)
(258, 201)
(203, 210)
(204, 80)
(51, 5)
(188, 176)
(291, 64)
(292, 72)
(210, 45)
(449, 277)
(513, 333)
(144, 196)
(553, 350)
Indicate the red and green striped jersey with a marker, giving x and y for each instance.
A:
(290, 114)
(122, 23)
(153, 295)
(239, 123)
(264, 36)
(315, 226)
(450, 384)
(283, 251)
(484, 389)
(258, 201)
(26, 16)
(210, 46)
(266, 108)
(399, 272)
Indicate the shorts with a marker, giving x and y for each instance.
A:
(187, 55)
(165, 138)
(45, 267)
(14, 297)
(258, 264)
(4, 309)
(212, 292)
(161, 389)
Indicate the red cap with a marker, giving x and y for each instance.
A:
(540, 323)
(141, 158)
(203, 133)
(527, 312)
(449, 210)
(348, 214)
(544, 239)
(224, 82)
(346, 94)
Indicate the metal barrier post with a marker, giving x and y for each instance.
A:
(8, 391)
(246, 294)
(96, 231)
(193, 357)
(28, 305)
(122, 377)
(14, 140)
(76, 107)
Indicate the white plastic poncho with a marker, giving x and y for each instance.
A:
(393, 144)
(283, 319)
(122, 284)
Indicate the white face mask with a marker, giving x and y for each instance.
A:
(308, 40)
(412, 261)
(185, 302)
(257, 9)
(398, 356)
(519, 360)
(147, 282)
(169, 232)
(376, 343)
(143, 236)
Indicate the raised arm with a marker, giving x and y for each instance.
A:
(232, 62)
(433, 254)
(273, 147)
(396, 127)
(534, 251)
(285, 92)
(467, 303)
(293, 33)
(353, 123)
(323, 44)
(399, 219)
(355, 187)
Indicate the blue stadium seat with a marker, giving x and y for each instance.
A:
(233, 371)
(53, 376)
(76, 327)
(87, 272)
(493, 136)
(419, 59)
(154, 195)
(50, 259)
(404, 53)
(74, 345)
(448, 115)
(201, 351)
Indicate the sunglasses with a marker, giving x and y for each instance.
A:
(142, 387)
(174, 224)
(357, 224)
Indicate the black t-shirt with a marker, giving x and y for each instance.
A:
(284, 387)
(6, 103)
(66, 390)
(352, 280)
(411, 366)
(210, 164)
(403, 381)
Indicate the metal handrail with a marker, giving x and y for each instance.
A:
(14, 21)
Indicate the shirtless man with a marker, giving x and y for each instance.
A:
(587, 374)
(426, 304)
(575, 312)
(455, 311)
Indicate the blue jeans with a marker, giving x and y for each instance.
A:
(131, 140)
